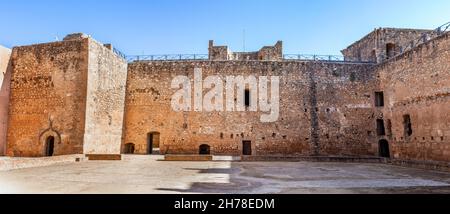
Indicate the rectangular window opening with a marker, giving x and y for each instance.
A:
(379, 99)
(247, 98)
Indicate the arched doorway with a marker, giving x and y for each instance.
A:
(383, 146)
(49, 146)
(153, 143)
(204, 149)
(129, 148)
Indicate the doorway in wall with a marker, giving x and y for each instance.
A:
(384, 149)
(153, 143)
(49, 146)
(247, 147)
(129, 148)
(204, 149)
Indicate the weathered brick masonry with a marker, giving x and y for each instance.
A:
(321, 105)
(74, 93)
(417, 109)
(49, 106)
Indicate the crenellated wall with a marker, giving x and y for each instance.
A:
(267, 53)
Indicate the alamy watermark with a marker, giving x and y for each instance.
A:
(231, 93)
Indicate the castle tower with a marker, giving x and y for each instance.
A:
(67, 97)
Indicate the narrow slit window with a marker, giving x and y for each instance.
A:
(407, 125)
(247, 98)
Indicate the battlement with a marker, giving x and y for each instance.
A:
(271, 53)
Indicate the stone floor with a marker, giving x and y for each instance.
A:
(146, 174)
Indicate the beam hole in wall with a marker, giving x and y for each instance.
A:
(353, 77)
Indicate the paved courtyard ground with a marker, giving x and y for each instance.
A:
(145, 174)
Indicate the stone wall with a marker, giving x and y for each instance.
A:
(218, 52)
(373, 47)
(325, 109)
(48, 98)
(417, 84)
(5, 76)
(105, 102)
(269, 53)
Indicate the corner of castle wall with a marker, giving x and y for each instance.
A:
(105, 100)
(5, 78)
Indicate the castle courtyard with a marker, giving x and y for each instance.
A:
(137, 174)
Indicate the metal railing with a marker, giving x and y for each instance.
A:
(119, 53)
(313, 57)
(443, 28)
(200, 57)
(168, 57)
(425, 37)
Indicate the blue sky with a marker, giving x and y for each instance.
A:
(185, 26)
